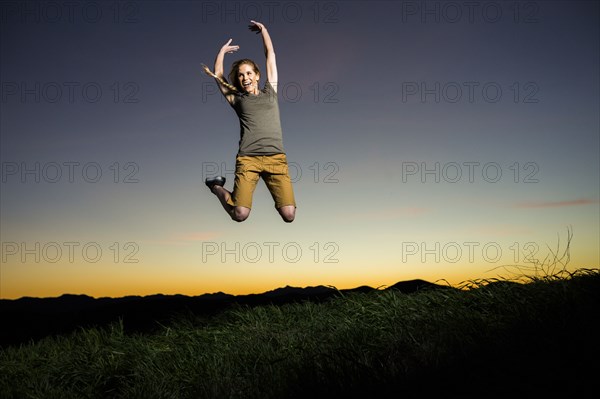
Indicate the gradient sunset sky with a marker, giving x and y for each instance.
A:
(426, 139)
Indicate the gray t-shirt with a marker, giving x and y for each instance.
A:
(260, 125)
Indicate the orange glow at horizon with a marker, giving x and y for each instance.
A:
(108, 281)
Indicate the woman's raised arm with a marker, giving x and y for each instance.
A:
(269, 52)
(224, 86)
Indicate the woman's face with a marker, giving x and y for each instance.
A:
(248, 78)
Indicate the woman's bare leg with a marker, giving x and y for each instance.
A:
(237, 213)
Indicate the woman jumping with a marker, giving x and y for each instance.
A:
(261, 152)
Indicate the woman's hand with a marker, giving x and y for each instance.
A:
(256, 27)
(228, 48)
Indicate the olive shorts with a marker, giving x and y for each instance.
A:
(274, 171)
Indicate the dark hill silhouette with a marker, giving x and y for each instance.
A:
(26, 319)
(411, 286)
(362, 288)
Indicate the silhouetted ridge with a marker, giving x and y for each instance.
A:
(363, 288)
(27, 318)
(412, 286)
(288, 290)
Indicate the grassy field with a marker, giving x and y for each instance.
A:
(495, 339)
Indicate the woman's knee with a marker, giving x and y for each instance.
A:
(288, 213)
(240, 213)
